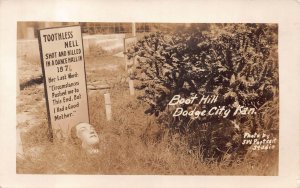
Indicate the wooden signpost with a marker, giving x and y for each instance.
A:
(63, 66)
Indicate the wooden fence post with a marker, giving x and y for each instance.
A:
(125, 56)
(107, 106)
(131, 87)
(133, 29)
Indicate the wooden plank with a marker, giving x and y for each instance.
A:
(63, 67)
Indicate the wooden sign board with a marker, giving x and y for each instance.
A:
(63, 67)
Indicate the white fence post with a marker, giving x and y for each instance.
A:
(107, 106)
(135, 61)
(133, 30)
(131, 87)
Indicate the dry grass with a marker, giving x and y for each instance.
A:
(131, 143)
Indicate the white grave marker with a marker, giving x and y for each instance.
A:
(63, 68)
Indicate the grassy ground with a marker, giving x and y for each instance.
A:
(131, 143)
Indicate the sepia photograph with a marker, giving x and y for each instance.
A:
(147, 98)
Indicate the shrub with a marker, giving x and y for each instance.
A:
(237, 62)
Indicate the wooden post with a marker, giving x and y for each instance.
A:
(135, 62)
(126, 63)
(133, 30)
(107, 106)
(131, 87)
